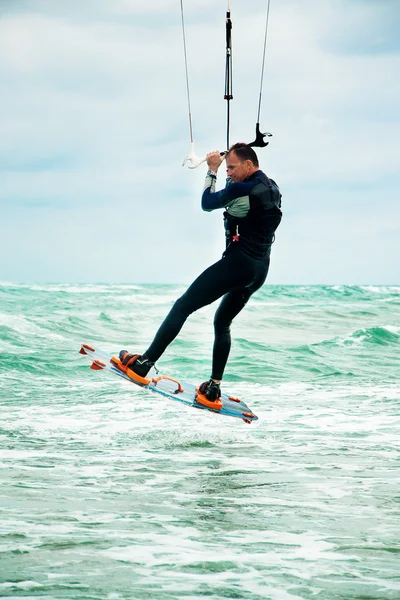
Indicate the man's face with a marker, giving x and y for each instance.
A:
(237, 170)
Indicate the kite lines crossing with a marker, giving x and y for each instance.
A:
(192, 160)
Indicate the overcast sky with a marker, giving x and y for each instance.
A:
(94, 128)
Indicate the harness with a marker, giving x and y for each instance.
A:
(255, 233)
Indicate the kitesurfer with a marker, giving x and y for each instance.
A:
(252, 203)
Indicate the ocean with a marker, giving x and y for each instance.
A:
(111, 493)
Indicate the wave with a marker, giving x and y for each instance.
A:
(79, 288)
(372, 335)
(369, 336)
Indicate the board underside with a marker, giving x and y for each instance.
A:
(168, 387)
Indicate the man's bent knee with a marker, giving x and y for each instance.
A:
(221, 325)
(184, 306)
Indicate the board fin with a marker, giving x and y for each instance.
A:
(97, 365)
(85, 347)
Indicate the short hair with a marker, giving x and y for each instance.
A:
(244, 152)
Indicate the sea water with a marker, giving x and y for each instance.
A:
(109, 492)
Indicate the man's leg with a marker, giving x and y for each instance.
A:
(230, 306)
(216, 281)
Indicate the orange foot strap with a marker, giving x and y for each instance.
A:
(204, 401)
(131, 374)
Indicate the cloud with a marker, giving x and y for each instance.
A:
(363, 27)
(94, 127)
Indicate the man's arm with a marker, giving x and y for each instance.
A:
(211, 200)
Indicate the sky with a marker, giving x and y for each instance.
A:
(94, 128)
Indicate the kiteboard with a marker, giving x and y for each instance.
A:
(170, 387)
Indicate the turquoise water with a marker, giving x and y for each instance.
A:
(108, 492)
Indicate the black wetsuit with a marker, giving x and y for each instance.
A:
(251, 217)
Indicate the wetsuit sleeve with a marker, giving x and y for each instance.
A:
(211, 200)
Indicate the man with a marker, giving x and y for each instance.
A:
(252, 205)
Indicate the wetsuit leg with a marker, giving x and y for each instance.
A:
(230, 306)
(234, 271)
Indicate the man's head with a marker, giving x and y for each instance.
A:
(241, 162)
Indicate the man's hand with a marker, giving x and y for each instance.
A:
(214, 160)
